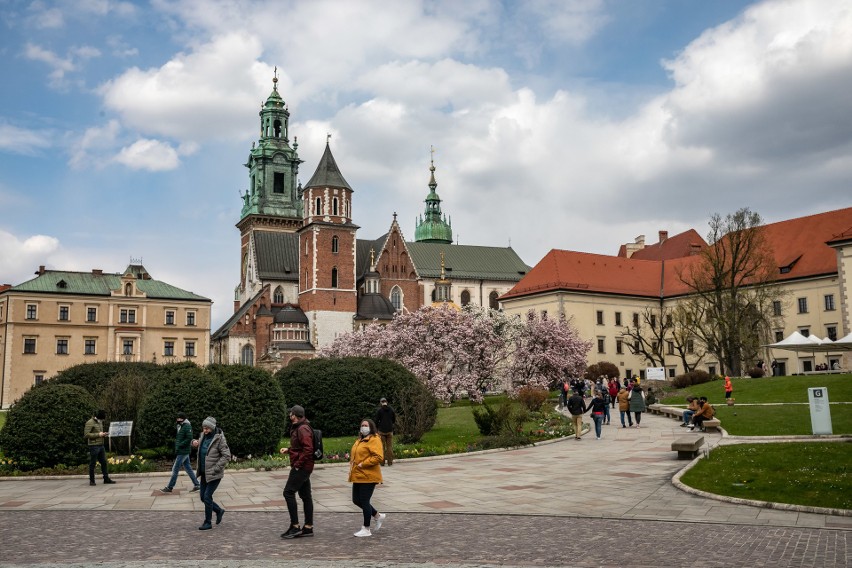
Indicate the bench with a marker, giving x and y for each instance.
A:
(826, 372)
(670, 411)
(712, 424)
(687, 447)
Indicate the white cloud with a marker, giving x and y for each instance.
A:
(21, 256)
(60, 66)
(566, 21)
(42, 17)
(151, 155)
(17, 140)
(94, 145)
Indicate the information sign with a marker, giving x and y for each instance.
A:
(820, 412)
(655, 373)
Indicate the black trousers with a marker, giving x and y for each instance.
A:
(299, 482)
(361, 495)
(97, 454)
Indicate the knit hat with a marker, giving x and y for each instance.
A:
(298, 411)
(181, 415)
(383, 399)
(209, 422)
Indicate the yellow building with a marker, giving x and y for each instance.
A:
(60, 319)
(606, 294)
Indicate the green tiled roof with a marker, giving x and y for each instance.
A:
(467, 262)
(90, 284)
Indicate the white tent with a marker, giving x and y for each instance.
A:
(812, 344)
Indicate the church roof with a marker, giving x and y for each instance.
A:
(327, 173)
(374, 306)
(467, 262)
(225, 328)
(277, 255)
(97, 283)
(291, 314)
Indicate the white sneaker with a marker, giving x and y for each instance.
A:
(380, 518)
(365, 531)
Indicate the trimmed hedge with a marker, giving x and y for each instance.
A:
(95, 377)
(695, 377)
(337, 393)
(601, 369)
(44, 428)
(255, 413)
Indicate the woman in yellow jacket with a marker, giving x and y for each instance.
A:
(365, 473)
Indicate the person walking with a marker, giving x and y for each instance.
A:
(637, 403)
(613, 391)
(364, 474)
(624, 406)
(599, 409)
(301, 452)
(729, 389)
(385, 419)
(577, 407)
(94, 434)
(213, 455)
(183, 445)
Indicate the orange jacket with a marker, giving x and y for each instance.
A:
(728, 386)
(365, 460)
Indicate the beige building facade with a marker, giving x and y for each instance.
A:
(60, 319)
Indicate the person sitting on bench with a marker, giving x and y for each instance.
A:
(706, 412)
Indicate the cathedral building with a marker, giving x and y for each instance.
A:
(306, 277)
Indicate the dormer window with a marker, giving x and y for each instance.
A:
(62, 284)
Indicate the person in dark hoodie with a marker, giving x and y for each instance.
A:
(301, 453)
(213, 455)
(385, 419)
(94, 433)
(577, 407)
(183, 442)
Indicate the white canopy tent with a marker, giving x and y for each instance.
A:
(813, 344)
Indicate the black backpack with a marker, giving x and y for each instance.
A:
(319, 452)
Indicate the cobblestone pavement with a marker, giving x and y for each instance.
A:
(146, 538)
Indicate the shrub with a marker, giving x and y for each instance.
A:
(337, 393)
(601, 369)
(503, 421)
(191, 390)
(45, 426)
(532, 398)
(695, 377)
(255, 413)
(755, 372)
(95, 377)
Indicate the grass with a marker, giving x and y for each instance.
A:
(2, 419)
(787, 420)
(770, 389)
(814, 474)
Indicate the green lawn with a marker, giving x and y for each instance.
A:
(815, 474)
(2, 419)
(786, 420)
(770, 389)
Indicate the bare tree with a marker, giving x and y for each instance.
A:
(732, 289)
(647, 334)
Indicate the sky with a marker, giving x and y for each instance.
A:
(569, 124)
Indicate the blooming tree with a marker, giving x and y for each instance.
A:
(545, 349)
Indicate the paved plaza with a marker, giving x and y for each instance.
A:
(608, 502)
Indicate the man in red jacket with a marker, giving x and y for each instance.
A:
(301, 453)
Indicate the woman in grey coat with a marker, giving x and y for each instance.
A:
(637, 403)
(213, 456)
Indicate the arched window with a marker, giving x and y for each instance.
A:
(318, 207)
(492, 301)
(465, 297)
(277, 129)
(433, 295)
(278, 296)
(335, 243)
(334, 277)
(247, 355)
(334, 206)
(396, 298)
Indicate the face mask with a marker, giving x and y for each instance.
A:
(365, 430)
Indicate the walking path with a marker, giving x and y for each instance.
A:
(463, 508)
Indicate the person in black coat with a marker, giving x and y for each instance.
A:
(385, 419)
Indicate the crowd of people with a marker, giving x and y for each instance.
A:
(630, 397)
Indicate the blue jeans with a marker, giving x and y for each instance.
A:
(182, 461)
(598, 418)
(206, 496)
(687, 414)
(606, 413)
(629, 418)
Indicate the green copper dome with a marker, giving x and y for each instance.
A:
(433, 227)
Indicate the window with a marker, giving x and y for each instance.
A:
(30, 345)
(617, 318)
(711, 369)
(169, 349)
(278, 179)
(32, 311)
(38, 379)
(396, 298)
(64, 313)
(127, 315)
(776, 307)
(690, 346)
(492, 300)
(803, 305)
(672, 371)
(635, 319)
(190, 316)
(92, 314)
(62, 347)
(170, 317)
(247, 355)
(189, 349)
(127, 347)
(829, 302)
(831, 332)
(599, 317)
(669, 320)
(670, 347)
(335, 245)
(601, 345)
(779, 335)
(334, 277)
(653, 321)
(805, 331)
(334, 206)
(465, 297)
(318, 206)
(619, 346)
(90, 347)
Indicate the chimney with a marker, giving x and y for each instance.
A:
(664, 235)
(97, 272)
(40, 270)
(640, 240)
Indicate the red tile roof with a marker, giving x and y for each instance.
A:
(677, 246)
(802, 240)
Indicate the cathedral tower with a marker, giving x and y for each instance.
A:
(433, 227)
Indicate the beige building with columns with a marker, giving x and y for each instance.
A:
(60, 319)
(604, 294)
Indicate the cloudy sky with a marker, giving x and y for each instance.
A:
(573, 124)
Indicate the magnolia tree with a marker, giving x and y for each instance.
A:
(454, 351)
(544, 350)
